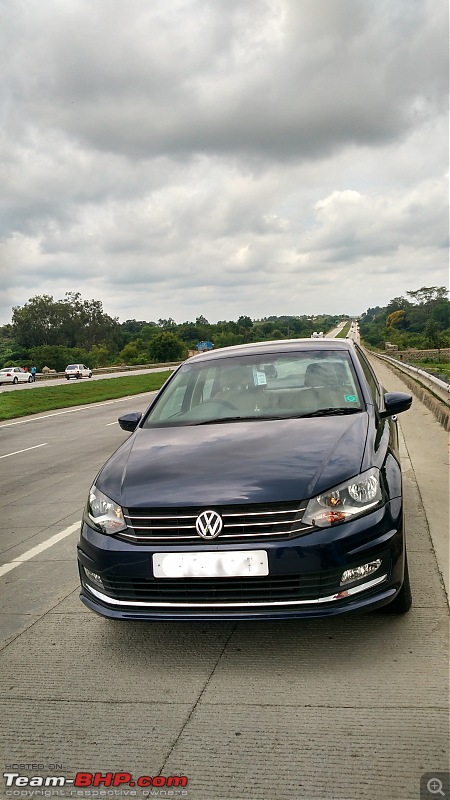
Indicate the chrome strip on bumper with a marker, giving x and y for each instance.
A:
(144, 604)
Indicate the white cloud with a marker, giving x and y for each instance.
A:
(262, 158)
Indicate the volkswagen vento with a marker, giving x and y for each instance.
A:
(263, 481)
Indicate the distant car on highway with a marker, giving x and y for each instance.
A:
(263, 482)
(77, 371)
(15, 375)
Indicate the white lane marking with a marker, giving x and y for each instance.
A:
(39, 548)
(25, 450)
(111, 423)
(72, 410)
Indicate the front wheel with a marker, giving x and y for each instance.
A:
(16, 380)
(403, 601)
(30, 379)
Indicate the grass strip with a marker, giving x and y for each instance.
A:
(441, 369)
(343, 333)
(23, 402)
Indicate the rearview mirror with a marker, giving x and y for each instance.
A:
(395, 403)
(129, 422)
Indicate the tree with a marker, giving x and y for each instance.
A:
(167, 324)
(135, 352)
(37, 322)
(71, 322)
(428, 294)
(245, 322)
(433, 335)
(165, 346)
(396, 319)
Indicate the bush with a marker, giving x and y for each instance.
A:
(165, 346)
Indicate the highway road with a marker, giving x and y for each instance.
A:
(351, 708)
(41, 384)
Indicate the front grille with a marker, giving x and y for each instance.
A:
(287, 588)
(256, 521)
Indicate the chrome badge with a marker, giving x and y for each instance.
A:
(209, 524)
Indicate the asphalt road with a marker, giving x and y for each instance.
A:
(40, 384)
(353, 708)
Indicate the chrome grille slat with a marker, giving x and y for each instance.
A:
(240, 523)
(225, 515)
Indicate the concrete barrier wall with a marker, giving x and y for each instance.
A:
(442, 355)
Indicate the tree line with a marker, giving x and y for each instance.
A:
(54, 333)
(420, 320)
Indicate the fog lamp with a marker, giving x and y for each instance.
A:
(93, 577)
(356, 573)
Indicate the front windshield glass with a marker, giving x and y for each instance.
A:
(271, 386)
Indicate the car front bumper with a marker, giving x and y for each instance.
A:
(304, 575)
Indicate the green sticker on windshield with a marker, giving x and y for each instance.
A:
(351, 398)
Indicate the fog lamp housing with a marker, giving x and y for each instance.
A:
(93, 577)
(357, 573)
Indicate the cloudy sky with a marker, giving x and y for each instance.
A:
(174, 158)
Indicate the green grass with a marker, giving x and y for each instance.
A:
(343, 333)
(21, 402)
(441, 368)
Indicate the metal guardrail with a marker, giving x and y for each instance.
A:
(411, 369)
(433, 392)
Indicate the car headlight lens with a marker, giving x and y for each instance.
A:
(103, 514)
(351, 499)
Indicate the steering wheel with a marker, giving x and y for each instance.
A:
(225, 403)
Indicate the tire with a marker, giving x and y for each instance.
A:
(90, 374)
(403, 601)
(16, 380)
(30, 379)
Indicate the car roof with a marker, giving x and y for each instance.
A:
(277, 346)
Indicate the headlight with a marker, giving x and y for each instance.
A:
(103, 514)
(344, 502)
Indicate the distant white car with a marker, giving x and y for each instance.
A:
(77, 371)
(15, 375)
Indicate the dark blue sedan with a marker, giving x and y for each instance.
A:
(263, 482)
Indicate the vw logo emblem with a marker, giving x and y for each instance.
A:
(209, 524)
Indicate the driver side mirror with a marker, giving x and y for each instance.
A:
(129, 422)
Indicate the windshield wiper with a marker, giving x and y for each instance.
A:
(224, 419)
(321, 412)
(329, 412)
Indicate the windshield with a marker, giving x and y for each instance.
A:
(275, 386)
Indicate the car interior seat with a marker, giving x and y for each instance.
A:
(238, 389)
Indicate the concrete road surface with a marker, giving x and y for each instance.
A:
(353, 708)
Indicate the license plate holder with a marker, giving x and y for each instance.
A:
(224, 564)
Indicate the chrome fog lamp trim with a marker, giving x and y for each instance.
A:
(363, 571)
(94, 577)
(277, 603)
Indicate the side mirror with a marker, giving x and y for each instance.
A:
(395, 403)
(129, 422)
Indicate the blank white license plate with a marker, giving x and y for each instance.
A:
(232, 564)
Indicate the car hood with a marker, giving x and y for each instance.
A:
(241, 462)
